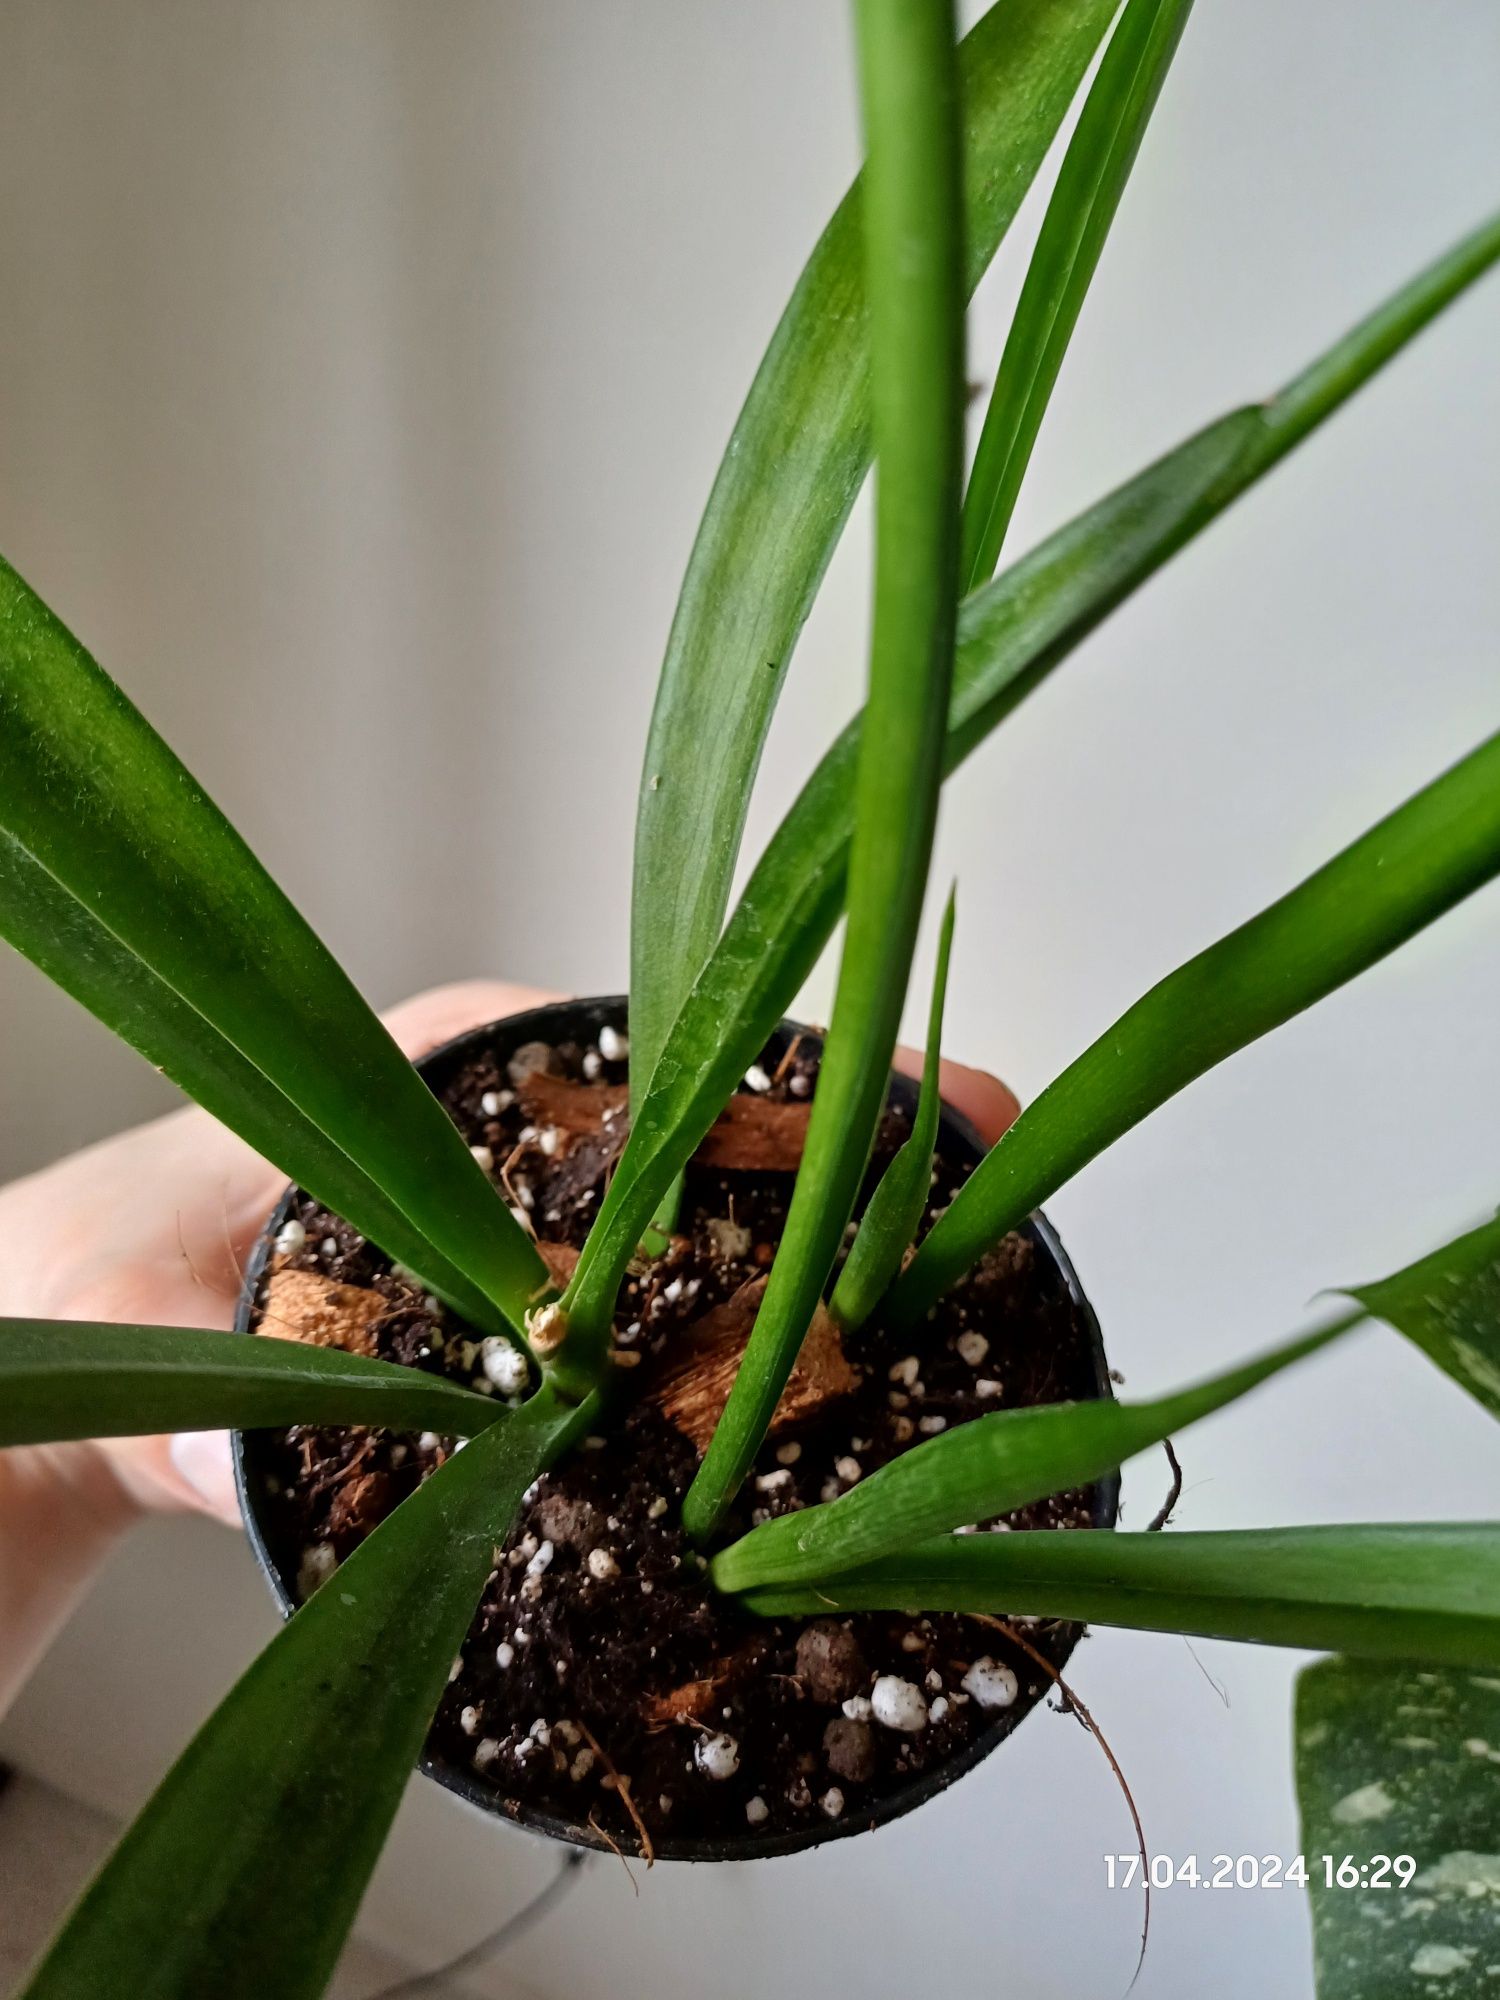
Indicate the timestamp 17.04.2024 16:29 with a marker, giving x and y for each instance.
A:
(1260, 1871)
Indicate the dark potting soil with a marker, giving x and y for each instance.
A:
(599, 1660)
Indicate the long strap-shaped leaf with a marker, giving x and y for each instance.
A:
(912, 215)
(1426, 856)
(93, 796)
(795, 461)
(1090, 183)
(1011, 636)
(242, 1875)
(888, 1227)
(1399, 1761)
(74, 1379)
(58, 935)
(1449, 1304)
(1389, 1593)
(984, 1468)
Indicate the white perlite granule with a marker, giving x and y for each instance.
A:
(898, 1704)
(730, 1239)
(318, 1564)
(503, 1365)
(717, 1755)
(991, 1684)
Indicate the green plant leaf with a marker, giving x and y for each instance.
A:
(76, 1379)
(985, 1468)
(1428, 1592)
(74, 949)
(1011, 636)
(1090, 183)
(1434, 850)
(795, 461)
(1449, 1304)
(241, 1877)
(1398, 1761)
(913, 275)
(888, 1226)
(94, 798)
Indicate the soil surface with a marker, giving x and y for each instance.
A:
(599, 1662)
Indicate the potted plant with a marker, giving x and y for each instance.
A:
(686, 1413)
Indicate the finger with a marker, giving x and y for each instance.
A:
(202, 1462)
(190, 1473)
(429, 1019)
(990, 1106)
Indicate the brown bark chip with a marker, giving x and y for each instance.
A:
(751, 1135)
(694, 1386)
(756, 1135)
(702, 1700)
(561, 1260)
(576, 1110)
(689, 1703)
(302, 1305)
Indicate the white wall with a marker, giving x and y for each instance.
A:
(362, 371)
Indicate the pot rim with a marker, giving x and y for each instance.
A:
(591, 1014)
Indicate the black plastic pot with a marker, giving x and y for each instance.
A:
(581, 1021)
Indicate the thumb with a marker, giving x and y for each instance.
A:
(201, 1462)
(990, 1106)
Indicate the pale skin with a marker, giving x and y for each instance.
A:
(155, 1226)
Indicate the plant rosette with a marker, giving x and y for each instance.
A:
(606, 1694)
(727, 1603)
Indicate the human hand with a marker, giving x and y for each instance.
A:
(156, 1224)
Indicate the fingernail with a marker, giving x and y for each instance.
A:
(201, 1459)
